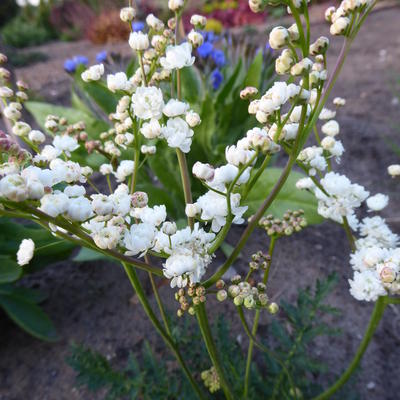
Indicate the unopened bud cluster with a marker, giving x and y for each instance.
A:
(190, 297)
(259, 261)
(245, 294)
(211, 379)
(292, 221)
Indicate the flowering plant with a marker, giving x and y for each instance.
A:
(103, 210)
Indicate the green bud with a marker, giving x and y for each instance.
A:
(249, 302)
(238, 300)
(273, 308)
(222, 295)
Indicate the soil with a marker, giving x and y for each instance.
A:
(93, 303)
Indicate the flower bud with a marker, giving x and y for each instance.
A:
(36, 137)
(139, 41)
(294, 32)
(21, 129)
(139, 199)
(127, 14)
(301, 67)
(203, 171)
(273, 308)
(339, 27)
(193, 119)
(220, 284)
(191, 210)
(319, 46)
(339, 101)
(175, 5)
(238, 300)
(328, 143)
(248, 93)
(329, 13)
(6, 92)
(394, 170)
(222, 295)
(331, 128)
(233, 290)
(3, 58)
(169, 228)
(278, 37)
(198, 21)
(195, 38)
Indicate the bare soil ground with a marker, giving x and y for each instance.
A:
(93, 304)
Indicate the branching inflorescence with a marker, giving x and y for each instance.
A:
(45, 184)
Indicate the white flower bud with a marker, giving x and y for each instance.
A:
(195, 38)
(377, 202)
(25, 252)
(198, 21)
(284, 62)
(301, 67)
(169, 228)
(278, 37)
(151, 129)
(6, 92)
(148, 149)
(127, 14)
(339, 27)
(248, 92)
(21, 129)
(139, 41)
(203, 171)
(191, 210)
(329, 12)
(331, 128)
(154, 23)
(294, 32)
(339, 101)
(36, 137)
(319, 46)
(328, 143)
(193, 119)
(394, 170)
(175, 5)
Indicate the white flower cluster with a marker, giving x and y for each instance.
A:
(376, 262)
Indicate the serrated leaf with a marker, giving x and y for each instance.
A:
(289, 198)
(29, 317)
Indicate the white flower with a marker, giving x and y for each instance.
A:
(195, 38)
(119, 81)
(125, 169)
(13, 187)
(151, 215)
(36, 136)
(326, 114)
(339, 26)
(305, 183)
(139, 238)
(67, 171)
(203, 171)
(48, 153)
(278, 37)
(226, 174)
(189, 256)
(75, 191)
(394, 170)
(191, 210)
(106, 169)
(237, 156)
(121, 200)
(65, 143)
(343, 198)
(127, 14)
(108, 237)
(193, 119)
(79, 208)
(376, 233)
(151, 129)
(46, 177)
(54, 204)
(214, 208)
(25, 252)
(175, 108)
(94, 73)
(154, 23)
(177, 57)
(148, 149)
(139, 41)
(175, 5)
(148, 102)
(377, 202)
(178, 134)
(339, 101)
(198, 20)
(366, 286)
(368, 257)
(330, 128)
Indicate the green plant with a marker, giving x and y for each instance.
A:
(19, 303)
(289, 338)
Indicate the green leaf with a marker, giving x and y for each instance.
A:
(289, 198)
(192, 85)
(227, 89)
(29, 317)
(31, 295)
(205, 131)
(253, 77)
(10, 271)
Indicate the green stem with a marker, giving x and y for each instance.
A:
(376, 316)
(135, 282)
(349, 234)
(255, 324)
(185, 181)
(212, 350)
(257, 175)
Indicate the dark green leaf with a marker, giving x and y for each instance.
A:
(86, 254)
(10, 271)
(29, 317)
(192, 85)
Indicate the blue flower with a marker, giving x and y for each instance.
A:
(216, 79)
(81, 60)
(137, 26)
(102, 56)
(205, 50)
(219, 57)
(70, 66)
